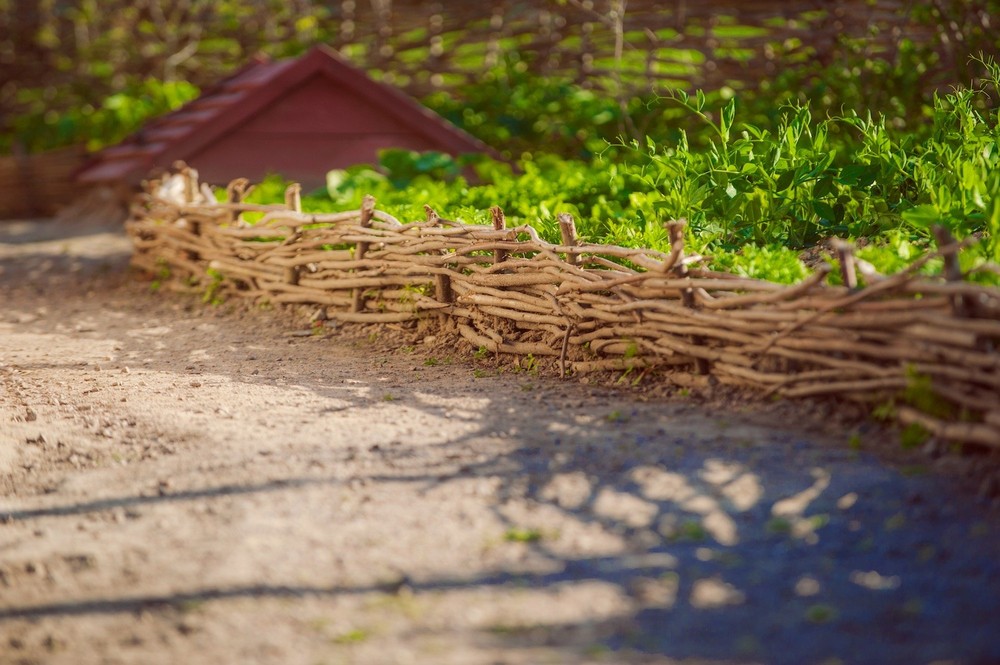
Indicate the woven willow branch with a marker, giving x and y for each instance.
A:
(930, 344)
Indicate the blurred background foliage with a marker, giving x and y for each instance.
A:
(569, 75)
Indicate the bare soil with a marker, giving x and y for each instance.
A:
(183, 483)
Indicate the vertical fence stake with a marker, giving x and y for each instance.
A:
(190, 177)
(845, 255)
(293, 197)
(952, 270)
(237, 190)
(442, 283)
(432, 217)
(675, 231)
(193, 225)
(564, 350)
(499, 224)
(567, 228)
(367, 209)
(442, 289)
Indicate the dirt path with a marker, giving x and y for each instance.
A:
(187, 484)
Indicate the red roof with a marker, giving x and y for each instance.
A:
(299, 117)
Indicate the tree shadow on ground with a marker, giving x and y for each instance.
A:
(732, 546)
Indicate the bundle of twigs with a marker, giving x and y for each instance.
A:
(927, 344)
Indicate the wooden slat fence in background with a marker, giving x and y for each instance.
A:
(424, 46)
(931, 344)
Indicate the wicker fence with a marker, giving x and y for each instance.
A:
(928, 344)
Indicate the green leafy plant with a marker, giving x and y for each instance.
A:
(754, 194)
(212, 294)
(529, 364)
(355, 636)
(913, 436)
(522, 535)
(616, 416)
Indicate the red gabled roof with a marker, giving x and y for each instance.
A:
(257, 86)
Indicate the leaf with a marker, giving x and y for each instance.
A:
(432, 160)
(857, 175)
(838, 211)
(823, 187)
(728, 114)
(784, 181)
(824, 210)
(922, 216)
(334, 179)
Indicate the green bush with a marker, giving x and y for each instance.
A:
(795, 186)
(42, 127)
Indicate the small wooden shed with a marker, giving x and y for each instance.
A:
(299, 117)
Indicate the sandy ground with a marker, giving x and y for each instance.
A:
(181, 483)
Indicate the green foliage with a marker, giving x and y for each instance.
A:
(761, 186)
(212, 294)
(517, 110)
(957, 174)
(913, 436)
(522, 535)
(753, 198)
(403, 166)
(269, 190)
(772, 262)
(355, 636)
(616, 416)
(894, 250)
(71, 70)
(118, 115)
(919, 393)
(854, 441)
(804, 182)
